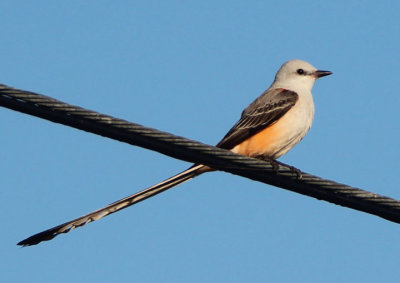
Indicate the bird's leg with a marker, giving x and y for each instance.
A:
(273, 162)
(275, 165)
(293, 169)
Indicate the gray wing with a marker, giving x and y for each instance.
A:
(264, 111)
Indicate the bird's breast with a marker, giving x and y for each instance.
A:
(279, 137)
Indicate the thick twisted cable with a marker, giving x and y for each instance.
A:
(195, 152)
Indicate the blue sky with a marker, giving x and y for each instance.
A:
(190, 67)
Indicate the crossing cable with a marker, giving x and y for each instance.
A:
(192, 151)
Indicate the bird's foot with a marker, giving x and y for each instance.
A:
(296, 171)
(275, 166)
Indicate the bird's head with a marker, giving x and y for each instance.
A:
(296, 74)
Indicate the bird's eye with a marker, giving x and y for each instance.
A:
(300, 71)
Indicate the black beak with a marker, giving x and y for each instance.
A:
(319, 73)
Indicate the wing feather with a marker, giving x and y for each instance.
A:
(264, 111)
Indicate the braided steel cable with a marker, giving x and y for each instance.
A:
(192, 151)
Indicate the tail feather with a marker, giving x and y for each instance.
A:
(115, 206)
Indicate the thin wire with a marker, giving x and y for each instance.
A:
(195, 152)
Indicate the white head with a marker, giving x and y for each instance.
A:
(297, 74)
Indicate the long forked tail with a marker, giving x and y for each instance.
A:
(115, 206)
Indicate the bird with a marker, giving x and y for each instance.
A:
(267, 129)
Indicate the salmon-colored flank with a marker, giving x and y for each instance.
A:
(262, 143)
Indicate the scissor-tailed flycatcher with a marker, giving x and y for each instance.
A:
(268, 128)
